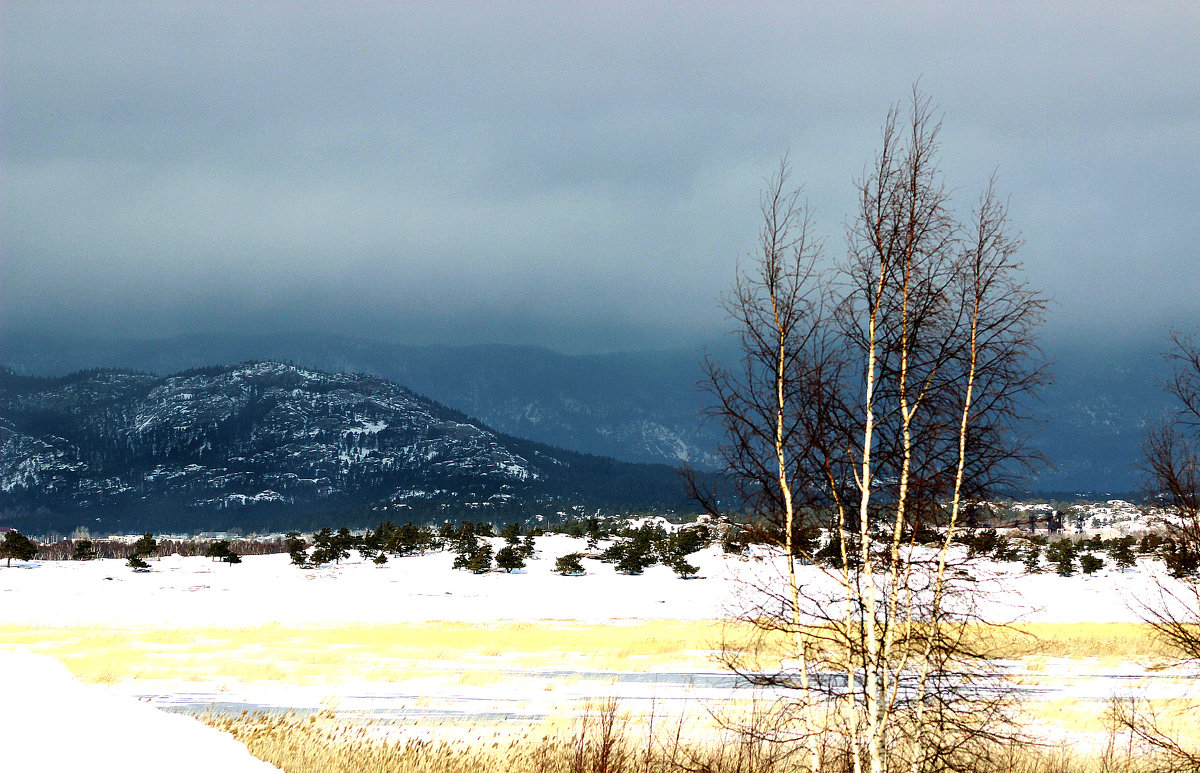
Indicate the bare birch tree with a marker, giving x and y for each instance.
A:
(1172, 460)
(876, 398)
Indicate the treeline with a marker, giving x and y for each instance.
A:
(86, 549)
(631, 549)
(329, 546)
(1065, 554)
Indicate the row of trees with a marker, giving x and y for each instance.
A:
(637, 549)
(475, 554)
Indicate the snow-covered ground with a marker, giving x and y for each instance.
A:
(196, 591)
(43, 704)
(52, 722)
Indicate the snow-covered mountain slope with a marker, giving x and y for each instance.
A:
(635, 406)
(270, 434)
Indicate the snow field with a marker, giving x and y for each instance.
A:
(53, 722)
(196, 591)
(185, 595)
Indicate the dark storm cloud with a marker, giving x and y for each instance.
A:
(577, 177)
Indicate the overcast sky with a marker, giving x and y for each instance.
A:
(578, 177)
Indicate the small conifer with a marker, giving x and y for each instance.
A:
(570, 565)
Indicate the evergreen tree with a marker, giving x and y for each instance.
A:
(218, 550)
(369, 545)
(480, 560)
(509, 558)
(221, 551)
(1121, 551)
(296, 548)
(1032, 564)
(136, 563)
(1181, 560)
(329, 547)
(17, 545)
(85, 550)
(570, 565)
(682, 568)
(145, 546)
(527, 547)
(634, 561)
(465, 538)
(343, 543)
(1062, 555)
(1090, 563)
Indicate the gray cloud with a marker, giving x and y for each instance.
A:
(580, 178)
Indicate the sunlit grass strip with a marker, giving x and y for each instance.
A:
(304, 655)
(365, 652)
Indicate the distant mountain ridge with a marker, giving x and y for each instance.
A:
(644, 406)
(634, 406)
(265, 435)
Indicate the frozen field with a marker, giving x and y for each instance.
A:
(416, 642)
(196, 591)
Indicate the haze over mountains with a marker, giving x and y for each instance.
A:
(645, 406)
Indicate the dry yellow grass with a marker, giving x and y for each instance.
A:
(308, 655)
(1107, 642)
(603, 740)
(606, 740)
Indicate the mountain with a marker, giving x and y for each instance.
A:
(238, 444)
(644, 406)
(635, 406)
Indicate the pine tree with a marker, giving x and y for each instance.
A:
(145, 546)
(1090, 564)
(570, 565)
(1032, 563)
(296, 548)
(1121, 551)
(682, 568)
(1181, 561)
(218, 550)
(331, 547)
(1062, 555)
(85, 550)
(480, 560)
(509, 558)
(17, 545)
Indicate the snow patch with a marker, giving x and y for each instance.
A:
(45, 707)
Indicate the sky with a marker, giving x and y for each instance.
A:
(573, 175)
